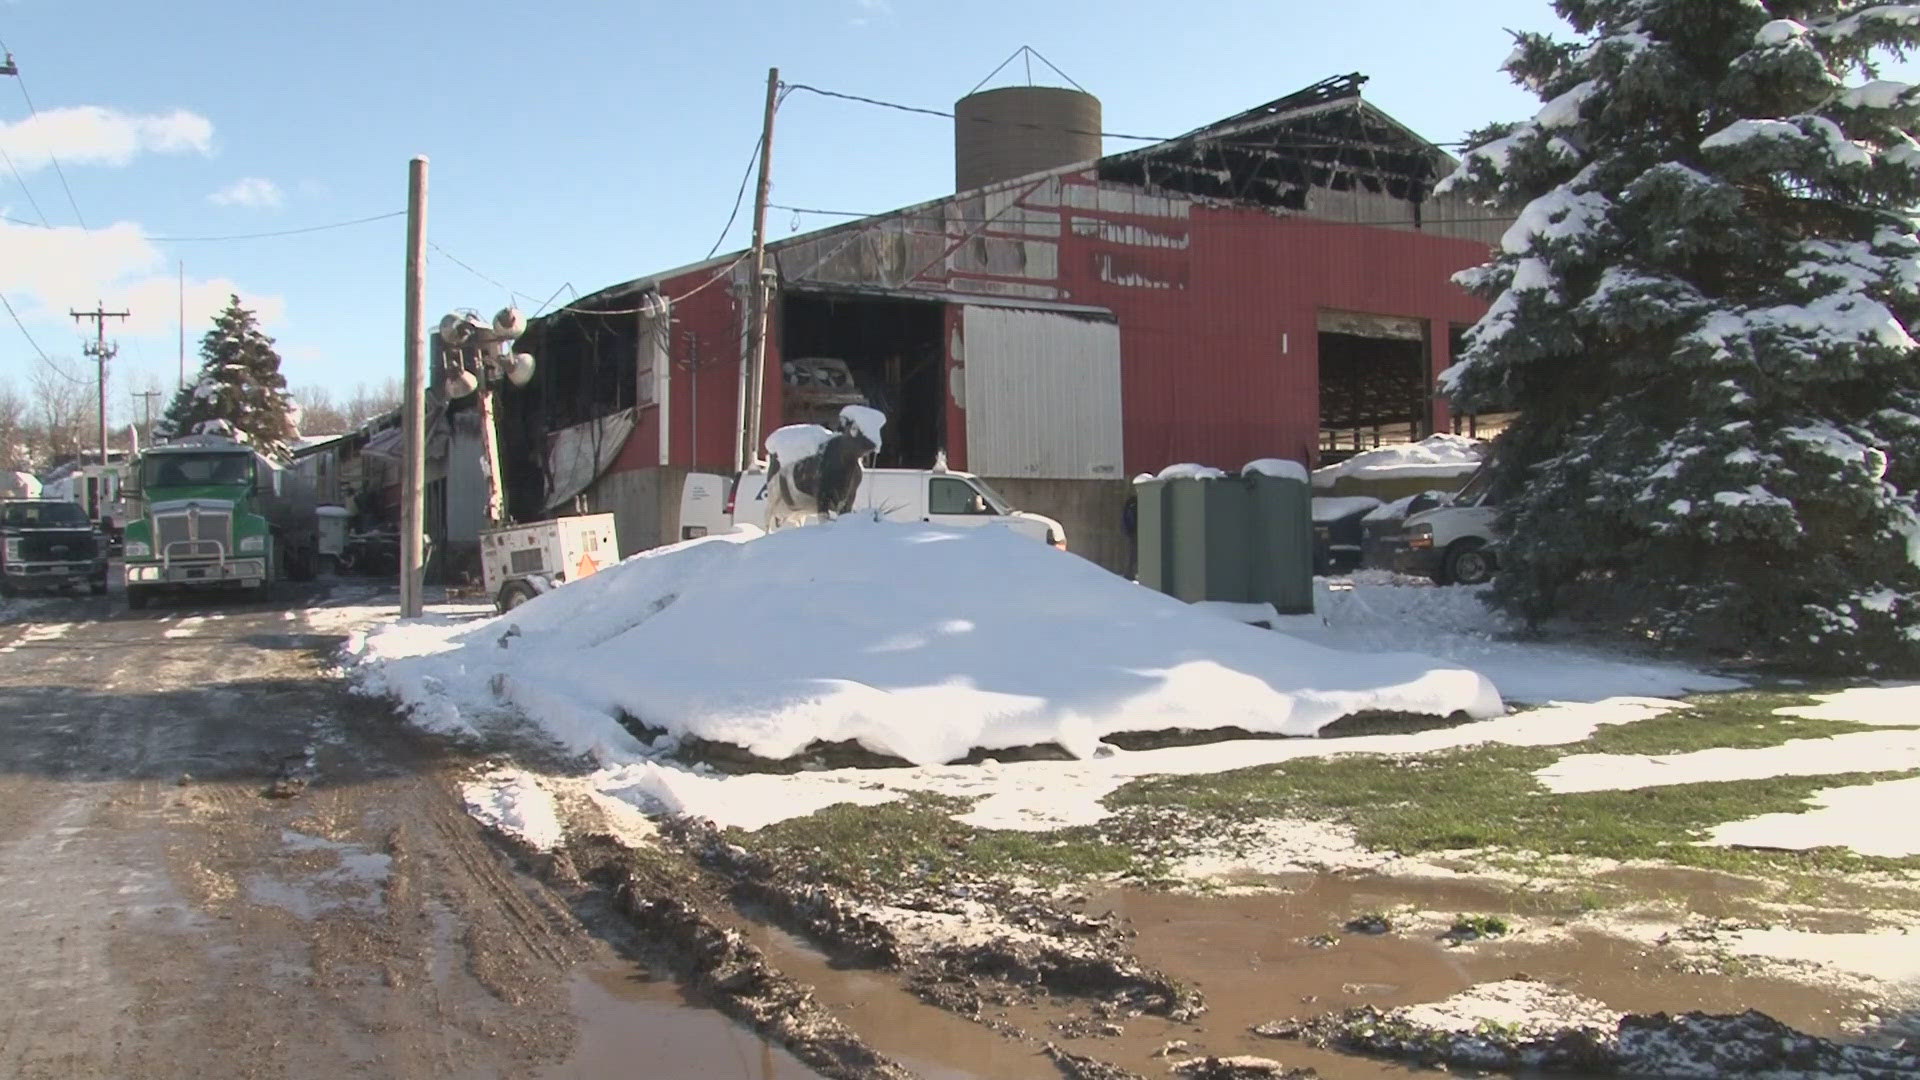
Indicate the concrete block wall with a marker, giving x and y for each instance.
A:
(1089, 510)
(645, 504)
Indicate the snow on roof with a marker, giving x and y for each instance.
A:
(1011, 644)
(1439, 455)
(1339, 508)
(1275, 467)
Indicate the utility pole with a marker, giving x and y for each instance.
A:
(756, 284)
(101, 351)
(183, 324)
(413, 416)
(147, 397)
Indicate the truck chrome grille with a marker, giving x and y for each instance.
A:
(206, 531)
(170, 529)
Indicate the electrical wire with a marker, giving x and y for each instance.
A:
(1297, 141)
(23, 330)
(759, 144)
(277, 232)
(57, 170)
(1297, 218)
(976, 119)
(31, 201)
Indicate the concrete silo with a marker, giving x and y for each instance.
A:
(1016, 130)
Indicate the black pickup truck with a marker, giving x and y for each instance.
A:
(49, 544)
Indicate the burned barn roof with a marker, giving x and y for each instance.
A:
(1324, 136)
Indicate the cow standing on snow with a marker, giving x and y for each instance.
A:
(822, 470)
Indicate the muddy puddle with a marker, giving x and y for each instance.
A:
(1255, 959)
(929, 1041)
(634, 1026)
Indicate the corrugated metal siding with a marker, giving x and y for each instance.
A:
(1043, 395)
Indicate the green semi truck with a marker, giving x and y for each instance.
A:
(208, 512)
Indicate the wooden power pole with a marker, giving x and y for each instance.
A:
(413, 475)
(101, 351)
(757, 292)
(146, 398)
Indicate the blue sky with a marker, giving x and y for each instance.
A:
(575, 142)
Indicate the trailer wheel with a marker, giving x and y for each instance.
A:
(137, 597)
(98, 586)
(513, 594)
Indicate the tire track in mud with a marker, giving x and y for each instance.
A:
(163, 917)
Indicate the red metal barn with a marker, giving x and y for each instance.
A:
(1276, 284)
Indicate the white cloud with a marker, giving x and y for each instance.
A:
(48, 271)
(251, 191)
(91, 135)
(870, 10)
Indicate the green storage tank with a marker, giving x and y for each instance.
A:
(1245, 539)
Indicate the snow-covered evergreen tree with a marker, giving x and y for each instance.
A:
(1702, 315)
(239, 382)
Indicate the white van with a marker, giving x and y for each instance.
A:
(710, 503)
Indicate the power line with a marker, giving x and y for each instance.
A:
(971, 119)
(278, 232)
(23, 330)
(235, 236)
(57, 170)
(759, 143)
(1297, 218)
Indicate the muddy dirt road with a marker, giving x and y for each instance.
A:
(214, 861)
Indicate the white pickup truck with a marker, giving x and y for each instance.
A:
(1454, 543)
(711, 503)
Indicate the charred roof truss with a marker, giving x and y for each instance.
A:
(1325, 136)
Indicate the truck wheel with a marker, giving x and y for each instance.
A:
(7, 590)
(137, 597)
(1469, 563)
(513, 594)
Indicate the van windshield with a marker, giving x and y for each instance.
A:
(994, 499)
(195, 470)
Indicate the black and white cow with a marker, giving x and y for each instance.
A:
(823, 482)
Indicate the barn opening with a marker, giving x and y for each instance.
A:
(585, 372)
(1374, 387)
(839, 348)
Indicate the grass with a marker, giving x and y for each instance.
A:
(1481, 797)
(1485, 797)
(916, 842)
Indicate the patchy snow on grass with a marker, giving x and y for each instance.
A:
(1529, 1008)
(514, 802)
(1374, 612)
(1018, 645)
(1871, 819)
(1858, 752)
(1439, 456)
(1886, 706)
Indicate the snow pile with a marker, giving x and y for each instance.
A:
(998, 642)
(1440, 456)
(1376, 612)
(1279, 468)
(1397, 509)
(513, 802)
